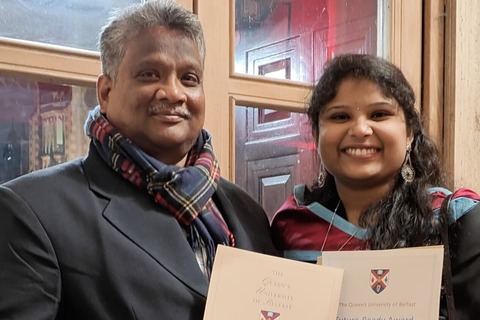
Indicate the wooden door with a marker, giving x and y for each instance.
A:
(273, 149)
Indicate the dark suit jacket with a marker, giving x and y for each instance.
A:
(464, 236)
(77, 241)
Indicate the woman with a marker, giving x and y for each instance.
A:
(378, 186)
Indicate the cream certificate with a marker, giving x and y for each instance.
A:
(397, 284)
(248, 285)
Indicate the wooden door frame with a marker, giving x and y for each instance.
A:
(433, 70)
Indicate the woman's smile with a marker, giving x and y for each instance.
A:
(360, 152)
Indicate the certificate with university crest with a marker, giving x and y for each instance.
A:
(252, 286)
(397, 284)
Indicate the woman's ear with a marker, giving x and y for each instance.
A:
(317, 145)
(410, 136)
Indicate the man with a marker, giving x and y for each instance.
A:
(130, 231)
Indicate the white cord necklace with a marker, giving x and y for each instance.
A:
(330, 226)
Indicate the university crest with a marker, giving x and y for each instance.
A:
(379, 279)
(269, 315)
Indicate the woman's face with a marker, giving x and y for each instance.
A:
(363, 135)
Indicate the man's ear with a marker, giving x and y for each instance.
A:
(104, 86)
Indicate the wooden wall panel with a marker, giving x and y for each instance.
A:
(462, 94)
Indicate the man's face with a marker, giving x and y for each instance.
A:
(157, 98)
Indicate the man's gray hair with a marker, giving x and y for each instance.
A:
(128, 22)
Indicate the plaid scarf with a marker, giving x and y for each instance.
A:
(185, 192)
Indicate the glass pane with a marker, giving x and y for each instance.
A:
(41, 124)
(274, 151)
(292, 39)
(71, 23)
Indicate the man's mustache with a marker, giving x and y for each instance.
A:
(169, 110)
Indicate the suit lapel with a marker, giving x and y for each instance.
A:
(136, 216)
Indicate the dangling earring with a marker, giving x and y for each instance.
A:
(322, 176)
(407, 171)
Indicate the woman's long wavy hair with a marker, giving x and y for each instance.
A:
(404, 217)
